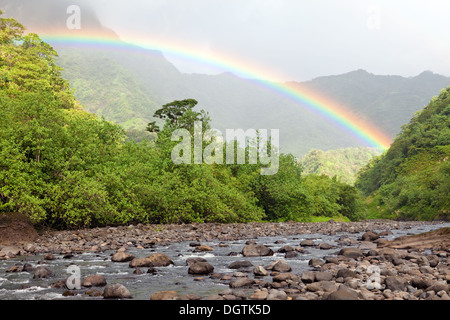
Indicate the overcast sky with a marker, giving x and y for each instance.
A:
(297, 39)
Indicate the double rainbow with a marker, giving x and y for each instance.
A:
(367, 133)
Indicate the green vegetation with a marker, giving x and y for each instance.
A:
(67, 168)
(342, 163)
(412, 179)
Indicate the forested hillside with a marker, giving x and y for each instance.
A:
(412, 179)
(342, 163)
(66, 168)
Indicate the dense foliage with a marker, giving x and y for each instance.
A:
(341, 163)
(66, 168)
(412, 179)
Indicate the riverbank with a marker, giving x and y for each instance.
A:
(258, 261)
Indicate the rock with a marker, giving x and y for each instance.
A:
(324, 246)
(342, 294)
(433, 260)
(116, 291)
(421, 282)
(240, 264)
(345, 273)
(353, 253)
(260, 271)
(307, 243)
(122, 257)
(241, 282)
(370, 236)
(94, 281)
(285, 249)
(190, 261)
(256, 250)
(49, 256)
(159, 260)
(323, 276)
(200, 268)
(281, 266)
(153, 260)
(396, 283)
(285, 277)
(29, 247)
(203, 247)
(308, 276)
(316, 262)
(165, 295)
(290, 255)
(42, 273)
(276, 295)
(10, 251)
(326, 286)
(259, 295)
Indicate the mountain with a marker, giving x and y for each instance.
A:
(127, 86)
(342, 163)
(412, 179)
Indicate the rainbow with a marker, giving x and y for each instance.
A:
(313, 101)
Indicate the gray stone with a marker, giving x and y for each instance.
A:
(241, 282)
(308, 276)
(281, 266)
(240, 264)
(353, 253)
(122, 257)
(256, 250)
(116, 291)
(260, 271)
(316, 262)
(345, 273)
(200, 268)
(94, 281)
(396, 283)
(370, 236)
(42, 272)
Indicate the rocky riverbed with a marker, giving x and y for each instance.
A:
(257, 261)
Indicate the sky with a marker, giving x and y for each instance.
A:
(294, 40)
(297, 39)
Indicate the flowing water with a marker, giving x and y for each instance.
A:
(21, 285)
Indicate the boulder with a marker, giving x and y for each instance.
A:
(203, 247)
(316, 262)
(259, 295)
(345, 273)
(281, 266)
(370, 236)
(165, 295)
(42, 273)
(116, 291)
(122, 257)
(353, 253)
(256, 250)
(341, 294)
(277, 295)
(325, 286)
(240, 264)
(241, 282)
(324, 276)
(94, 281)
(308, 276)
(285, 277)
(396, 283)
(10, 251)
(260, 271)
(200, 268)
(307, 243)
(190, 261)
(153, 260)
